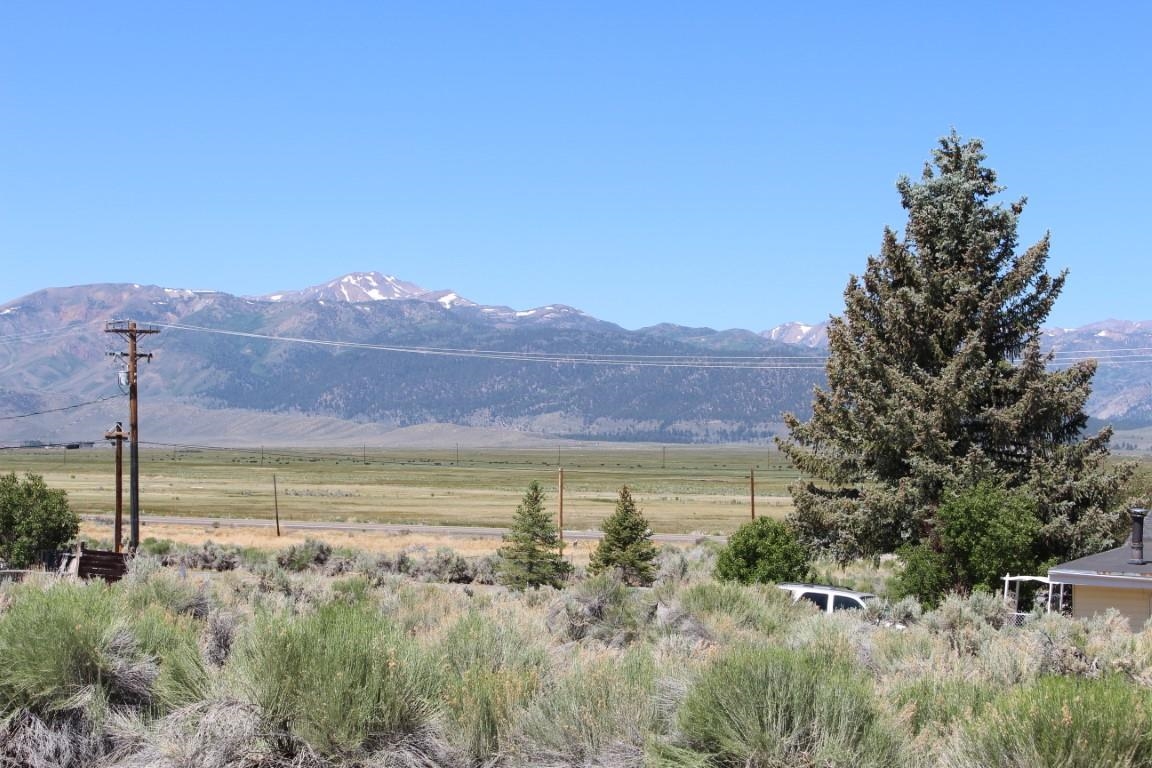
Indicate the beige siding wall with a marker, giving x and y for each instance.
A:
(1136, 604)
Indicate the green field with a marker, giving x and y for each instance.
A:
(681, 489)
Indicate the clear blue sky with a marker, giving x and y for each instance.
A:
(718, 164)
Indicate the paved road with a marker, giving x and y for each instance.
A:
(473, 531)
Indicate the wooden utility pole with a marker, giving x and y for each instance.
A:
(561, 494)
(752, 489)
(276, 503)
(119, 436)
(128, 329)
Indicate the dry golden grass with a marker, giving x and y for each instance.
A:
(369, 541)
(680, 490)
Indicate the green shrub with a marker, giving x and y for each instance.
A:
(343, 680)
(300, 557)
(598, 713)
(70, 648)
(763, 551)
(942, 704)
(987, 531)
(982, 532)
(1060, 721)
(209, 556)
(768, 706)
(33, 518)
(755, 608)
(603, 608)
(174, 640)
(155, 547)
(488, 671)
(923, 577)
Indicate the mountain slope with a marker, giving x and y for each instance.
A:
(390, 354)
(396, 360)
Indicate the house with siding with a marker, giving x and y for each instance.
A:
(1120, 578)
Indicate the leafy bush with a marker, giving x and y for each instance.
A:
(1060, 721)
(924, 576)
(982, 533)
(768, 706)
(987, 531)
(33, 518)
(763, 551)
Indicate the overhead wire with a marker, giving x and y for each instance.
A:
(755, 362)
(63, 408)
(814, 361)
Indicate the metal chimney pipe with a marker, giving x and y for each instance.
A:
(1138, 515)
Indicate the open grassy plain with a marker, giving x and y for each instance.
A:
(681, 489)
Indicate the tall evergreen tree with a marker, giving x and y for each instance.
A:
(531, 554)
(936, 380)
(627, 544)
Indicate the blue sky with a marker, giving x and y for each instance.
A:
(715, 164)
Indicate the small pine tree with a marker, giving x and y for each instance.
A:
(531, 555)
(627, 544)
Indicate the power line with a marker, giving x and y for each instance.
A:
(66, 330)
(64, 408)
(754, 362)
(816, 361)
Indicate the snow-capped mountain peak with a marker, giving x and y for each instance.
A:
(358, 287)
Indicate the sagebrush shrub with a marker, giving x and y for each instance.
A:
(342, 680)
(598, 711)
(763, 705)
(488, 670)
(299, 557)
(765, 610)
(1059, 721)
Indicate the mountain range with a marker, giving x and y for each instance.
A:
(367, 355)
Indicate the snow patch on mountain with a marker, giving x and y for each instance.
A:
(803, 334)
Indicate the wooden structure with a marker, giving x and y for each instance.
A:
(94, 564)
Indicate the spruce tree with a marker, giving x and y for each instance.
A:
(531, 554)
(936, 381)
(627, 544)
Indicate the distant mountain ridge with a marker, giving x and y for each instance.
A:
(397, 355)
